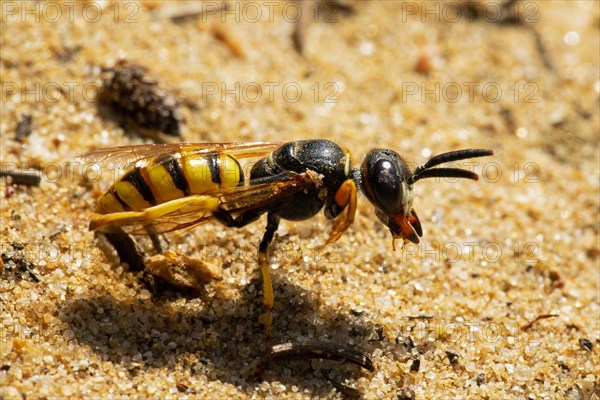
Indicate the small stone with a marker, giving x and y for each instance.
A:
(452, 357)
(416, 364)
(68, 334)
(523, 374)
(585, 344)
(424, 64)
(48, 318)
(481, 379)
(67, 390)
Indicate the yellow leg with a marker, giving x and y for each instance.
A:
(269, 296)
(263, 263)
(185, 205)
(344, 197)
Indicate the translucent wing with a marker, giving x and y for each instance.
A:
(193, 210)
(127, 157)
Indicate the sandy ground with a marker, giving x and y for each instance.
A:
(412, 76)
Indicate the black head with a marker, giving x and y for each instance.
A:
(387, 182)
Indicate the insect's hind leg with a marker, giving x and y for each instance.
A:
(263, 254)
(263, 263)
(128, 250)
(239, 221)
(156, 243)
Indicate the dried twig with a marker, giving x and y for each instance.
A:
(528, 325)
(329, 351)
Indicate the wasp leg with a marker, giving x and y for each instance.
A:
(245, 218)
(345, 197)
(199, 202)
(263, 263)
(128, 250)
(263, 254)
(158, 248)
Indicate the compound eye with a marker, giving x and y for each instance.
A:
(386, 185)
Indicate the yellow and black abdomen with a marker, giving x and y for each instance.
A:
(169, 177)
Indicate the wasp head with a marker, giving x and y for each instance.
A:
(387, 181)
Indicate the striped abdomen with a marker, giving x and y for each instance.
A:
(169, 177)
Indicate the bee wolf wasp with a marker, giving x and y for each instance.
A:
(174, 186)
